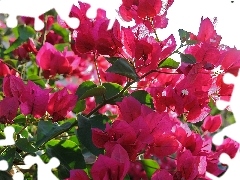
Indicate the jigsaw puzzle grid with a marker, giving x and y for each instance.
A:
(63, 9)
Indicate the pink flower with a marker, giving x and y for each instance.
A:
(54, 62)
(212, 123)
(4, 69)
(8, 109)
(114, 166)
(60, 104)
(34, 100)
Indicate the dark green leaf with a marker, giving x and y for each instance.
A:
(84, 134)
(68, 153)
(143, 97)
(9, 155)
(24, 33)
(150, 166)
(111, 90)
(96, 91)
(80, 106)
(85, 86)
(47, 130)
(184, 35)
(99, 121)
(111, 59)
(25, 145)
(5, 175)
(36, 79)
(123, 67)
(169, 63)
(187, 58)
(61, 31)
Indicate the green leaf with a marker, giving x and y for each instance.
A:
(123, 67)
(150, 166)
(143, 97)
(187, 58)
(84, 134)
(111, 90)
(99, 121)
(111, 59)
(9, 155)
(61, 31)
(80, 106)
(62, 46)
(96, 91)
(169, 63)
(24, 33)
(25, 145)
(68, 153)
(5, 176)
(11, 62)
(19, 128)
(47, 130)
(184, 35)
(36, 79)
(85, 86)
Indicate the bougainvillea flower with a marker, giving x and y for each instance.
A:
(212, 123)
(229, 147)
(4, 69)
(60, 104)
(23, 51)
(34, 100)
(130, 108)
(13, 86)
(162, 174)
(8, 109)
(189, 166)
(114, 166)
(207, 33)
(78, 174)
(53, 62)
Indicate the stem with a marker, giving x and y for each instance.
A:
(105, 101)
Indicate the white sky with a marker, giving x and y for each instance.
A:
(186, 14)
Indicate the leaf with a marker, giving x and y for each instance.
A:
(47, 130)
(9, 155)
(19, 128)
(184, 35)
(11, 62)
(143, 97)
(150, 166)
(123, 67)
(188, 58)
(169, 63)
(62, 46)
(96, 91)
(5, 176)
(111, 90)
(24, 33)
(24, 145)
(111, 59)
(80, 106)
(37, 80)
(99, 121)
(68, 153)
(61, 31)
(84, 134)
(85, 86)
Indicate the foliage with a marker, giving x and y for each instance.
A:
(114, 104)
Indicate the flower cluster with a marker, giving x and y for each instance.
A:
(123, 108)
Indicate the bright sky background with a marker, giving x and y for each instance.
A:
(186, 14)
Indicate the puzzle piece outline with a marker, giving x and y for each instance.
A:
(62, 7)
